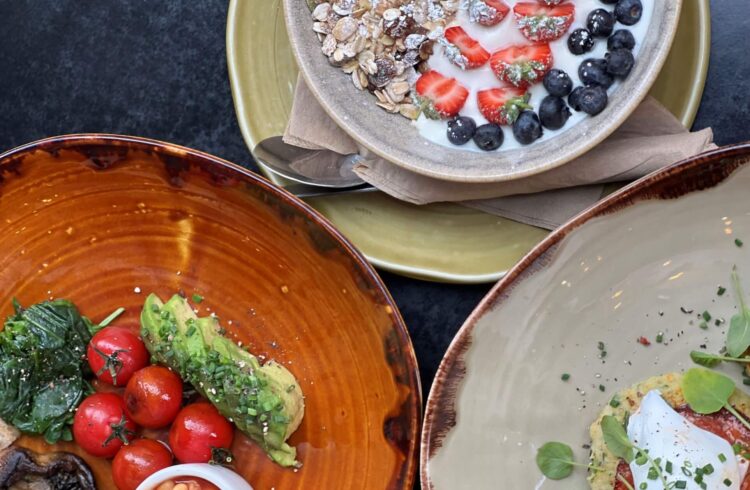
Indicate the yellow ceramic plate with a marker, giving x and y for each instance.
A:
(443, 242)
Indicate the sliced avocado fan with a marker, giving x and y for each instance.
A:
(264, 401)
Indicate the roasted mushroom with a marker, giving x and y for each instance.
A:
(24, 469)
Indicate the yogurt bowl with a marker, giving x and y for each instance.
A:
(219, 476)
(421, 148)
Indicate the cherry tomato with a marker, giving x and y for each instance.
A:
(115, 353)
(101, 426)
(153, 397)
(136, 462)
(197, 430)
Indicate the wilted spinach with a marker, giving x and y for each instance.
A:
(42, 368)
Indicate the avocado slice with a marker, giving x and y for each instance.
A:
(264, 401)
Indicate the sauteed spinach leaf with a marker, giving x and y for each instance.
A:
(42, 368)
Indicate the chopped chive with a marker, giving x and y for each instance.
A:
(722, 458)
(708, 469)
(680, 484)
(112, 317)
(601, 388)
(197, 298)
(706, 316)
(565, 377)
(668, 467)
(738, 242)
(727, 482)
(614, 402)
(659, 338)
(721, 291)
(703, 325)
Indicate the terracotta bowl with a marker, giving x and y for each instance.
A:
(635, 272)
(398, 141)
(104, 220)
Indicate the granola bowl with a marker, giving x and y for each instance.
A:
(363, 74)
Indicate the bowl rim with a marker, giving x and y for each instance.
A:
(364, 267)
(720, 163)
(218, 475)
(400, 157)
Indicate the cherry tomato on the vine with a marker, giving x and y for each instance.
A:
(115, 353)
(101, 426)
(153, 397)
(139, 460)
(198, 431)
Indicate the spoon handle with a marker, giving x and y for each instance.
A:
(307, 191)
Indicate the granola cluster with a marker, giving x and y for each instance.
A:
(383, 44)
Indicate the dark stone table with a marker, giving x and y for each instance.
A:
(158, 69)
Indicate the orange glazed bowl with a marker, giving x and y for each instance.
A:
(104, 220)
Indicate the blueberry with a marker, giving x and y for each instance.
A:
(527, 128)
(593, 100)
(557, 83)
(461, 129)
(620, 62)
(574, 99)
(580, 41)
(600, 23)
(489, 137)
(628, 12)
(621, 39)
(553, 112)
(593, 71)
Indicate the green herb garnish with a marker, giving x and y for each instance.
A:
(707, 392)
(738, 242)
(555, 460)
(738, 337)
(711, 360)
(721, 291)
(197, 298)
(565, 376)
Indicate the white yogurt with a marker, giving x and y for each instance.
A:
(507, 34)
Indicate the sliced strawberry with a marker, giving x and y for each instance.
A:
(522, 66)
(487, 12)
(464, 51)
(540, 23)
(502, 105)
(440, 97)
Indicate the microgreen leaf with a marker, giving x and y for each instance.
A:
(706, 391)
(555, 460)
(616, 438)
(738, 337)
(711, 360)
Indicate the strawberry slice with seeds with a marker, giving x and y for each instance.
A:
(463, 50)
(541, 23)
(502, 105)
(522, 66)
(440, 97)
(487, 12)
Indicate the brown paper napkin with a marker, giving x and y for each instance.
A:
(650, 139)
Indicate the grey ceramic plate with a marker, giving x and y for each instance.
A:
(397, 140)
(620, 271)
(443, 242)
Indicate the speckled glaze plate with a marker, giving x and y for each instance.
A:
(443, 242)
(620, 271)
(104, 220)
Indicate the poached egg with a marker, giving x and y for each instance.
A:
(667, 435)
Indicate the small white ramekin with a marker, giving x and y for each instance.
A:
(223, 478)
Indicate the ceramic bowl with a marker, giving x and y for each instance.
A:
(223, 478)
(104, 220)
(398, 141)
(648, 260)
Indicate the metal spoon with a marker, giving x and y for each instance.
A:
(329, 169)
